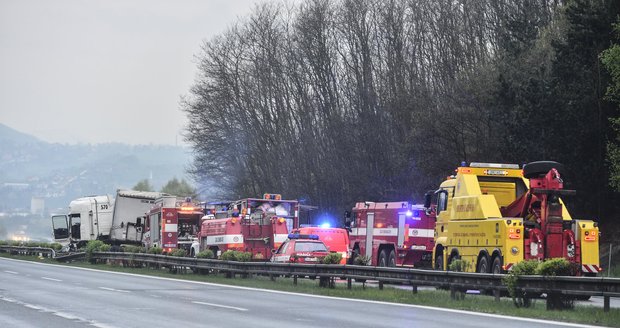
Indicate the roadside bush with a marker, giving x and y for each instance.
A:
(523, 268)
(554, 267)
(105, 248)
(206, 254)
(361, 260)
(332, 258)
(156, 250)
(244, 256)
(179, 252)
(56, 246)
(133, 249)
(229, 255)
(91, 247)
(459, 265)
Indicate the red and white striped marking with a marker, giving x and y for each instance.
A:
(508, 266)
(591, 268)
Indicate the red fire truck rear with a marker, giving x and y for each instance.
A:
(256, 225)
(391, 233)
(172, 223)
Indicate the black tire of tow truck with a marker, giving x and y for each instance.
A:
(496, 267)
(535, 169)
(483, 265)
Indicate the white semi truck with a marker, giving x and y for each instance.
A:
(114, 221)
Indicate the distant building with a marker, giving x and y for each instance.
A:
(37, 205)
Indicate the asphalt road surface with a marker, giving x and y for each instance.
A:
(46, 295)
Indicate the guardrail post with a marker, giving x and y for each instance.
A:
(414, 289)
(497, 294)
(380, 285)
(605, 303)
(295, 280)
(349, 283)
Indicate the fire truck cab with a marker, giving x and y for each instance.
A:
(256, 225)
(172, 223)
(391, 233)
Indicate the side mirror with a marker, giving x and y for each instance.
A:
(427, 199)
(138, 222)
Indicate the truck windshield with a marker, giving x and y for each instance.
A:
(309, 246)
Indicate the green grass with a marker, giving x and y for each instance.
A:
(477, 303)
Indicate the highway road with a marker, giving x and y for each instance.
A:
(47, 295)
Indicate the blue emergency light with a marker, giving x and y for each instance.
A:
(300, 236)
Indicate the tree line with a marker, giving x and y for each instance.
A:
(334, 102)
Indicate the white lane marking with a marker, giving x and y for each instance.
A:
(11, 272)
(489, 315)
(52, 279)
(66, 316)
(155, 296)
(114, 290)
(220, 306)
(33, 307)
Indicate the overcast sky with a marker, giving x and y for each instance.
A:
(104, 71)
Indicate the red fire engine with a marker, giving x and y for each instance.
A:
(391, 233)
(172, 224)
(252, 225)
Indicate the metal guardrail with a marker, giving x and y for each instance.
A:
(455, 281)
(23, 250)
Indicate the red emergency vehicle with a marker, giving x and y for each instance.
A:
(336, 239)
(301, 248)
(256, 225)
(391, 233)
(172, 223)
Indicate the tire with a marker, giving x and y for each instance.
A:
(391, 262)
(483, 265)
(496, 267)
(439, 262)
(536, 169)
(382, 259)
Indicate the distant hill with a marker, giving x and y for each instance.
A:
(8, 134)
(59, 173)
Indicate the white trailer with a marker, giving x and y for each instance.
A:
(115, 221)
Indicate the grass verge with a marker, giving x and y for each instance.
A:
(477, 303)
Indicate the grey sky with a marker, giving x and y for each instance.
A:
(104, 71)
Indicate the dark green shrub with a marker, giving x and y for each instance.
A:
(332, 258)
(523, 268)
(244, 256)
(459, 265)
(133, 249)
(361, 260)
(56, 246)
(156, 250)
(206, 254)
(229, 255)
(179, 252)
(554, 267)
(105, 248)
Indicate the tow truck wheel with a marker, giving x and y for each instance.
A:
(439, 262)
(382, 259)
(497, 265)
(483, 265)
(391, 259)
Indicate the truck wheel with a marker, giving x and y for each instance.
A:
(391, 259)
(439, 262)
(382, 259)
(483, 265)
(497, 265)
(536, 169)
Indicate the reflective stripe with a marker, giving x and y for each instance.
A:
(426, 233)
(170, 227)
(224, 239)
(590, 268)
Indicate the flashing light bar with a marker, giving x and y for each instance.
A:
(299, 236)
(494, 165)
(272, 196)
